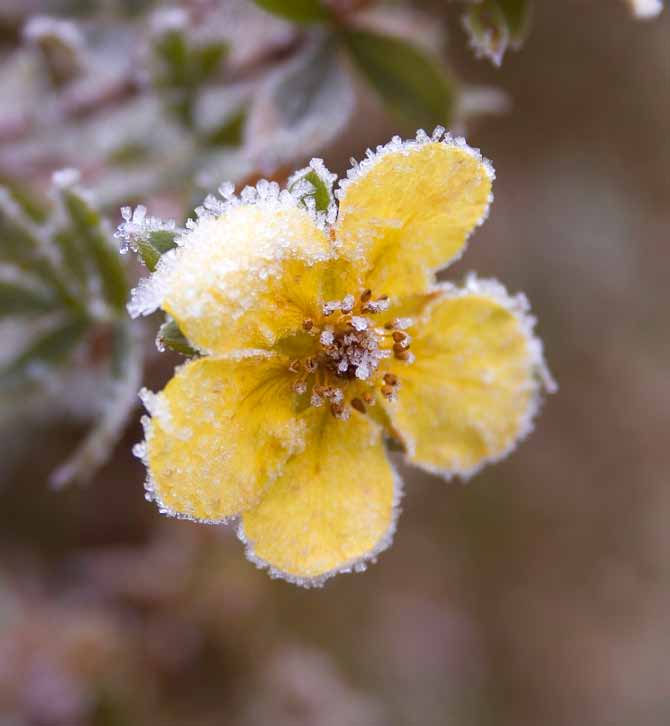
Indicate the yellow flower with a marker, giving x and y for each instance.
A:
(323, 333)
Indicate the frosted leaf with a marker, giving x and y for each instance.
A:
(300, 108)
(170, 19)
(42, 26)
(137, 226)
(64, 178)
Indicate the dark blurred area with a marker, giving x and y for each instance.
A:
(538, 593)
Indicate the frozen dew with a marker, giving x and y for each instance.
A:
(137, 226)
(645, 9)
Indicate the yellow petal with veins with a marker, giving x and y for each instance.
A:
(332, 508)
(247, 278)
(410, 209)
(219, 433)
(473, 389)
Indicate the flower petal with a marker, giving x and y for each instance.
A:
(333, 507)
(473, 389)
(408, 209)
(219, 433)
(244, 278)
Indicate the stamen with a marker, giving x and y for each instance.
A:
(358, 405)
(307, 324)
(387, 391)
(391, 379)
(366, 295)
(348, 303)
(368, 398)
(330, 307)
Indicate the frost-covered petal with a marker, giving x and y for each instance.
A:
(409, 208)
(219, 433)
(333, 507)
(474, 386)
(244, 278)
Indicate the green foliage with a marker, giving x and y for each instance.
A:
(183, 67)
(413, 83)
(17, 299)
(45, 353)
(496, 25)
(87, 226)
(229, 132)
(298, 11)
(153, 245)
(316, 189)
(64, 273)
(170, 336)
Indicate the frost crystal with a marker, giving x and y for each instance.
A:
(136, 226)
(645, 9)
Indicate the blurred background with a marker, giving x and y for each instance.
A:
(539, 592)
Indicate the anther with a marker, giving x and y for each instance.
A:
(348, 304)
(307, 324)
(358, 405)
(311, 365)
(399, 336)
(391, 379)
(400, 348)
(366, 295)
(387, 391)
(368, 398)
(403, 354)
(339, 411)
(294, 366)
(300, 387)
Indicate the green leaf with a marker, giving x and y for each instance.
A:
(229, 133)
(517, 16)
(184, 66)
(154, 245)
(411, 82)
(47, 351)
(495, 25)
(207, 59)
(321, 191)
(88, 224)
(21, 246)
(16, 299)
(125, 379)
(299, 11)
(170, 336)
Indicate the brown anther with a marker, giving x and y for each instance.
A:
(337, 409)
(300, 387)
(320, 390)
(331, 234)
(382, 298)
(310, 365)
(294, 366)
(402, 354)
(391, 379)
(358, 405)
(392, 324)
(399, 336)
(368, 398)
(307, 324)
(387, 391)
(366, 295)
(400, 348)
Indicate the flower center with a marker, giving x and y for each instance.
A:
(351, 344)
